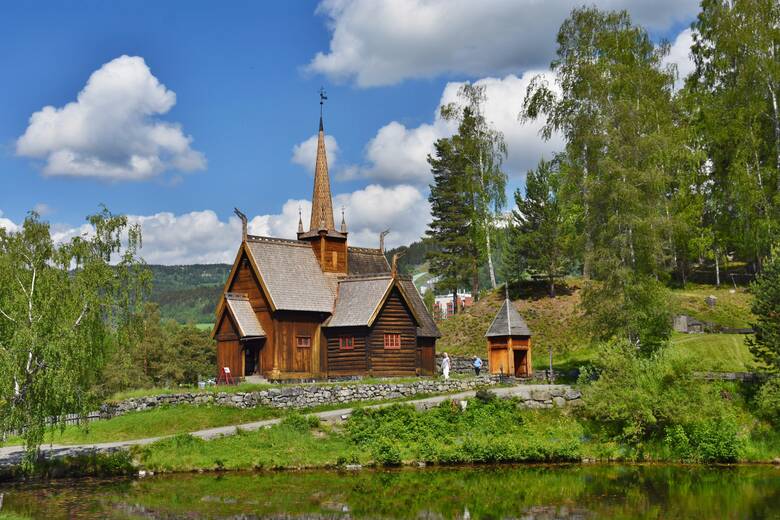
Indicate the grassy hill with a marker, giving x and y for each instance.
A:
(557, 323)
(188, 293)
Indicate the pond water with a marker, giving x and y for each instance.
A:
(529, 492)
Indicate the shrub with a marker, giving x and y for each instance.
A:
(386, 453)
(635, 399)
(768, 401)
(705, 441)
(300, 423)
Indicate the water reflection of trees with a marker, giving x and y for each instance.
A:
(535, 492)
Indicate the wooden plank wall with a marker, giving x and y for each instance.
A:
(395, 317)
(245, 282)
(289, 325)
(329, 247)
(347, 362)
(229, 352)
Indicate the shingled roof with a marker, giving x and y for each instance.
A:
(244, 316)
(427, 328)
(508, 322)
(363, 261)
(291, 274)
(358, 300)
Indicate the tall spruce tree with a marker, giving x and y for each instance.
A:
(483, 150)
(765, 346)
(540, 226)
(454, 259)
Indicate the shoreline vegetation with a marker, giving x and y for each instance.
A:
(488, 431)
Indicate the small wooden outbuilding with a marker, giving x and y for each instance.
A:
(509, 343)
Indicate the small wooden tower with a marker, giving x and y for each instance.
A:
(509, 343)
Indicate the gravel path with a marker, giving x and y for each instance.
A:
(12, 455)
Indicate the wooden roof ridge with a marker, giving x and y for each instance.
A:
(370, 250)
(275, 240)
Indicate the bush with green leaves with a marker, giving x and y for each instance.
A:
(714, 440)
(634, 399)
(768, 401)
(489, 430)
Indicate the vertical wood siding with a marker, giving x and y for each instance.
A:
(229, 353)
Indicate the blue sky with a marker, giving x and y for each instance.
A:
(245, 77)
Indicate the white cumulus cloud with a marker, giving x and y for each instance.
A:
(112, 131)
(398, 154)
(680, 55)
(383, 42)
(7, 224)
(201, 237)
(305, 152)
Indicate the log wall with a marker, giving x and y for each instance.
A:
(394, 317)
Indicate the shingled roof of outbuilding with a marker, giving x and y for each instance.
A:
(244, 316)
(427, 328)
(363, 261)
(291, 274)
(508, 322)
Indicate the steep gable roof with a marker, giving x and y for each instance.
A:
(508, 322)
(361, 298)
(364, 261)
(243, 316)
(427, 328)
(290, 274)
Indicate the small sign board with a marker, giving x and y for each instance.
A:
(225, 377)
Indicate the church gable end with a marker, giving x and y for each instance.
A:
(392, 340)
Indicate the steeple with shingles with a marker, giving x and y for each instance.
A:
(321, 202)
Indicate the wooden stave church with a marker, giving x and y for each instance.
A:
(316, 308)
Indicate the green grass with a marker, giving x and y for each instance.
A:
(166, 420)
(717, 352)
(731, 310)
(496, 431)
(204, 326)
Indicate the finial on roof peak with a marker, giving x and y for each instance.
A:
(323, 98)
(343, 221)
(300, 221)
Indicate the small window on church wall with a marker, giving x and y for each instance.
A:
(334, 258)
(392, 341)
(304, 341)
(346, 342)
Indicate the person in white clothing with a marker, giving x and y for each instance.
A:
(445, 366)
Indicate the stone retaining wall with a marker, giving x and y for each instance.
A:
(317, 395)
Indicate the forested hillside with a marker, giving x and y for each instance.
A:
(188, 293)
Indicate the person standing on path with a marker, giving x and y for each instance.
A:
(445, 366)
(476, 362)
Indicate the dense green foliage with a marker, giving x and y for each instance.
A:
(488, 430)
(768, 401)
(415, 255)
(635, 401)
(469, 186)
(164, 354)
(188, 293)
(766, 307)
(61, 307)
(540, 230)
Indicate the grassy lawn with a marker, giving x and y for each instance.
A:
(717, 352)
(204, 326)
(731, 310)
(166, 420)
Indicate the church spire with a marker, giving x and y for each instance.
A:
(321, 202)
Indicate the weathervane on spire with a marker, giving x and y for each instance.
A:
(323, 98)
